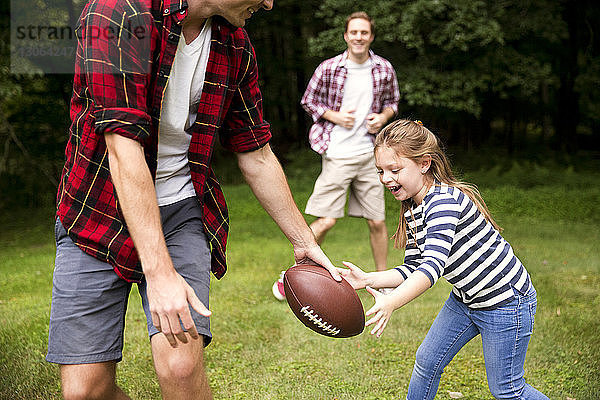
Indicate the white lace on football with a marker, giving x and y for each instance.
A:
(314, 318)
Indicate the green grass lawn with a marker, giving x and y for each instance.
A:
(261, 351)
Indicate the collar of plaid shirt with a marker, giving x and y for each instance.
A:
(110, 95)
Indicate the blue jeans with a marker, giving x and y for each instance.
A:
(505, 333)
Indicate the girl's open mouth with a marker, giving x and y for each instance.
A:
(395, 189)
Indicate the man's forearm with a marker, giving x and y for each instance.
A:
(388, 113)
(329, 115)
(169, 295)
(265, 177)
(137, 198)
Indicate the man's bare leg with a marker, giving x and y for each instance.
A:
(321, 226)
(378, 235)
(91, 381)
(180, 369)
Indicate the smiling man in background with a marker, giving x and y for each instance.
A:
(156, 83)
(350, 97)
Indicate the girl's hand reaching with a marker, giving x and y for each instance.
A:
(381, 311)
(416, 284)
(355, 276)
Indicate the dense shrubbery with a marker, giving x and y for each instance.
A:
(522, 91)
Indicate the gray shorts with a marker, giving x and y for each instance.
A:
(338, 176)
(89, 300)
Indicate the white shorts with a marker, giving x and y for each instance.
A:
(366, 198)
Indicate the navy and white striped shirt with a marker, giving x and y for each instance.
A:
(454, 240)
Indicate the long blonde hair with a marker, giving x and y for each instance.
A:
(410, 139)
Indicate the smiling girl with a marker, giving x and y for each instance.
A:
(447, 231)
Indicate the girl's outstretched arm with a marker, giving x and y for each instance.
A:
(413, 286)
(360, 279)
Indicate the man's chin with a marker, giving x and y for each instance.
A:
(237, 22)
(361, 51)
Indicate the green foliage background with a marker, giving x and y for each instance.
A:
(515, 78)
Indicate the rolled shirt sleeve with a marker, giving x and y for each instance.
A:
(116, 47)
(391, 96)
(244, 128)
(316, 99)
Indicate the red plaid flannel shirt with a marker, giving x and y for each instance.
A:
(124, 57)
(325, 91)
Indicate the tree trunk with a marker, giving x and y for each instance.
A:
(567, 117)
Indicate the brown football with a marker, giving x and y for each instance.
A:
(324, 305)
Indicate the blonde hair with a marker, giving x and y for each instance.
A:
(412, 140)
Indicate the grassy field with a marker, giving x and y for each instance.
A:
(260, 351)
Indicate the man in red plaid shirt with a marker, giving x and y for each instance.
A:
(156, 82)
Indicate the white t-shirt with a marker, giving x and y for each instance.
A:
(178, 113)
(358, 95)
